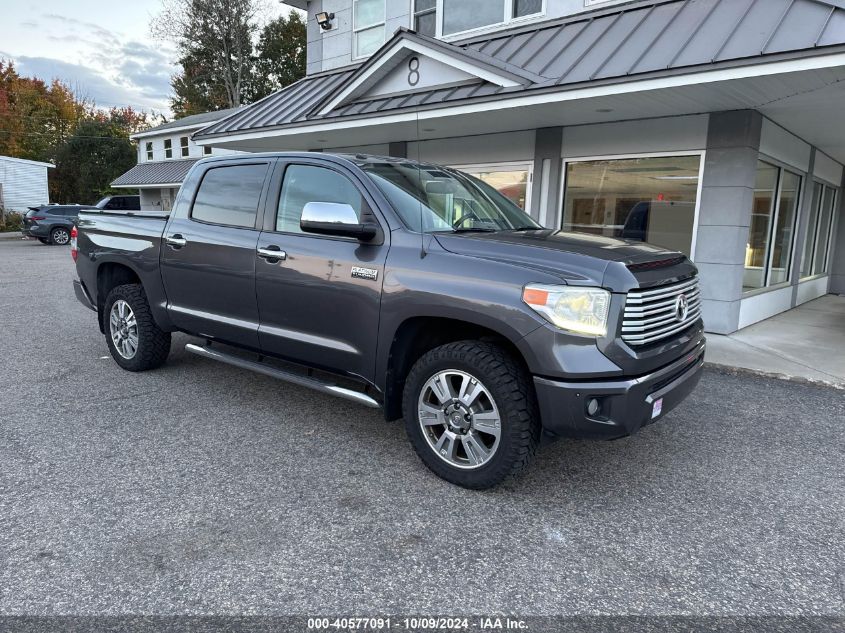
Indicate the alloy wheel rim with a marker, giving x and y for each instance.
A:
(61, 237)
(459, 419)
(123, 327)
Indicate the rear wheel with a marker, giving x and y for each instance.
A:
(60, 236)
(470, 413)
(135, 341)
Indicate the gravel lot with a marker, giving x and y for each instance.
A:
(199, 488)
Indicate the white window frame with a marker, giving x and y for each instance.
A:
(184, 148)
(507, 21)
(702, 154)
(206, 150)
(168, 150)
(149, 150)
(356, 29)
(527, 165)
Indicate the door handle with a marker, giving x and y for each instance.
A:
(176, 241)
(272, 253)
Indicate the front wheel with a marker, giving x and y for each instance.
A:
(470, 413)
(135, 341)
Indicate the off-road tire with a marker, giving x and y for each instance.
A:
(153, 343)
(513, 392)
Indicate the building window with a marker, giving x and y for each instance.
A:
(768, 252)
(460, 15)
(648, 199)
(512, 180)
(425, 17)
(814, 260)
(183, 143)
(168, 148)
(368, 20)
(207, 150)
(149, 146)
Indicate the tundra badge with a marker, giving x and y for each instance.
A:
(365, 273)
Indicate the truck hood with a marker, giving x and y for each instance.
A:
(576, 258)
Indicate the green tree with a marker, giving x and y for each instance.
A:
(96, 153)
(281, 54)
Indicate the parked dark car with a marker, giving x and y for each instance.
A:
(52, 223)
(120, 203)
(403, 286)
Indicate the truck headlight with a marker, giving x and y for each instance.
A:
(581, 310)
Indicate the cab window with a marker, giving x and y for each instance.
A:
(306, 183)
(229, 195)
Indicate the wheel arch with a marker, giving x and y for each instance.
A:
(417, 335)
(109, 276)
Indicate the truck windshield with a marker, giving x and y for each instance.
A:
(437, 199)
(102, 203)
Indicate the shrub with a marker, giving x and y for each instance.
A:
(11, 222)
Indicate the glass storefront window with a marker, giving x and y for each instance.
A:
(512, 181)
(828, 204)
(768, 252)
(783, 236)
(650, 199)
(812, 230)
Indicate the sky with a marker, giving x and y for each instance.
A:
(102, 48)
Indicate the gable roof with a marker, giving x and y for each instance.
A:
(615, 44)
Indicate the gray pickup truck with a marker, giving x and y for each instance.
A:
(406, 286)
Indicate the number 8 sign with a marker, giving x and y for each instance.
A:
(413, 71)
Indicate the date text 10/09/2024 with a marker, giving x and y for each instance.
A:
(416, 624)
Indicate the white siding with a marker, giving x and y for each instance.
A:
(194, 150)
(24, 184)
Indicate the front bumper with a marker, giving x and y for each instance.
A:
(625, 405)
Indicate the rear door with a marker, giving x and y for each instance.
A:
(208, 253)
(319, 304)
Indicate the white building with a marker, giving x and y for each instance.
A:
(165, 155)
(23, 183)
(714, 127)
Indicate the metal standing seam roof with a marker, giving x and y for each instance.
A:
(189, 121)
(659, 36)
(156, 173)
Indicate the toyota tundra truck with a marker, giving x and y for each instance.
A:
(404, 286)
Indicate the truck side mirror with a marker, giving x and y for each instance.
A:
(332, 218)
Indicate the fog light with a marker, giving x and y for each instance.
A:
(593, 406)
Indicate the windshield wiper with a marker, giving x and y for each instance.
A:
(474, 229)
(528, 228)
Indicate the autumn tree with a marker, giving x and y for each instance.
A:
(35, 117)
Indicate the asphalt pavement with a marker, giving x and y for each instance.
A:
(199, 488)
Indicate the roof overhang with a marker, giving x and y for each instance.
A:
(784, 90)
(163, 185)
(170, 130)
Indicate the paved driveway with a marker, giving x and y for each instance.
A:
(201, 488)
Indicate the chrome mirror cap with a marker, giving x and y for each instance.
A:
(329, 213)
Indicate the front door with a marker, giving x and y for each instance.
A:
(208, 255)
(320, 303)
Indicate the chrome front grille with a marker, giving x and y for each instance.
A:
(657, 313)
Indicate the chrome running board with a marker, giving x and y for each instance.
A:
(280, 374)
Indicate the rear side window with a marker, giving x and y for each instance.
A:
(229, 195)
(306, 183)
